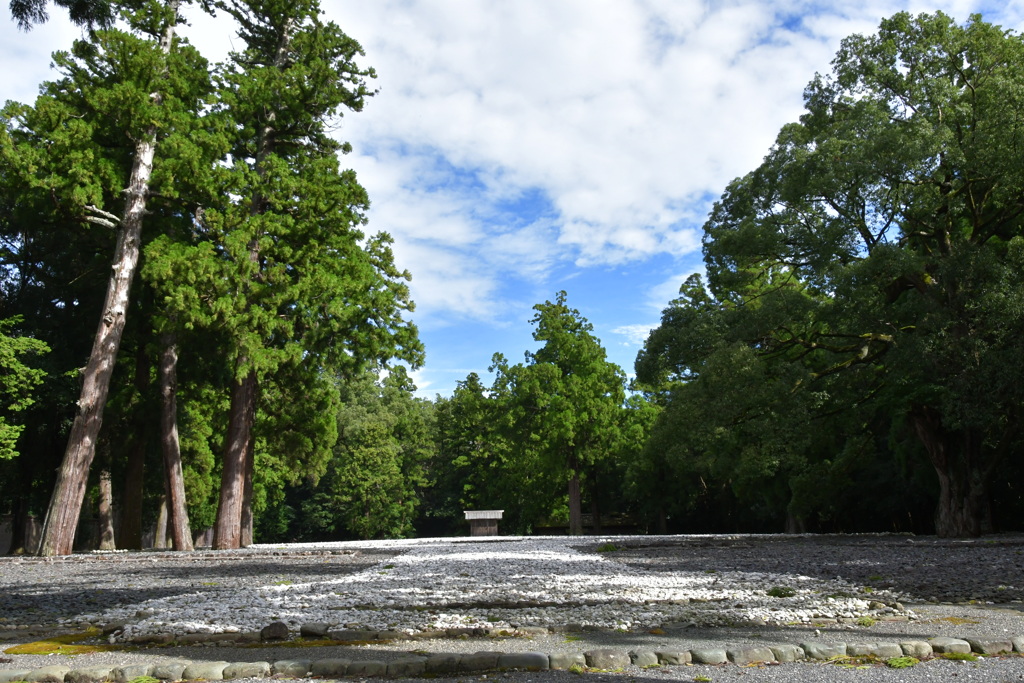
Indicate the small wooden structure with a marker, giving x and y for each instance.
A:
(483, 522)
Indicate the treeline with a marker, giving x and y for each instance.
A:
(850, 361)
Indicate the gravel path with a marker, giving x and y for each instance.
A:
(513, 581)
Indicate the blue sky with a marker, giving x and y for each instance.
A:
(518, 148)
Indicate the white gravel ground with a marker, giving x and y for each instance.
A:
(504, 583)
(687, 583)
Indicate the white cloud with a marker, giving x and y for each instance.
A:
(635, 335)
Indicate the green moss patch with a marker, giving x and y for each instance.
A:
(63, 645)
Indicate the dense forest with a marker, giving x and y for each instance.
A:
(200, 341)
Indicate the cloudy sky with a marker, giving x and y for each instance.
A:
(521, 147)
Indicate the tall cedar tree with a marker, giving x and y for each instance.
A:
(137, 83)
(564, 401)
(284, 273)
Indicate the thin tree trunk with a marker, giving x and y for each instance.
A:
(19, 525)
(227, 531)
(575, 501)
(160, 534)
(250, 465)
(134, 475)
(106, 514)
(69, 492)
(131, 505)
(595, 506)
(181, 534)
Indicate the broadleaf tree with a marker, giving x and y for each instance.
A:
(871, 265)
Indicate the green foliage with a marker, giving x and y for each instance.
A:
(372, 482)
(864, 285)
(781, 592)
(561, 407)
(17, 385)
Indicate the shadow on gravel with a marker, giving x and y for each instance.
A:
(919, 568)
(93, 583)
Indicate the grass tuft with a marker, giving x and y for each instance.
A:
(902, 662)
(959, 656)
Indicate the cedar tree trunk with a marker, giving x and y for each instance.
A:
(181, 534)
(227, 531)
(106, 513)
(69, 492)
(134, 474)
(575, 502)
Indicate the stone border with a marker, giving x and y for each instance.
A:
(451, 663)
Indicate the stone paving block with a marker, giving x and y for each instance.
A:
(942, 645)
(787, 652)
(428, 635)
(531, 631)
(367, 667)
(916, 648)
(607, 658)
(292, 668)
(859, 649)
(531, 661)
(566, 660)
(886, 650)
(990, 647)
(9, 675)
(314, 630)
(709, 656)
(207, 671)
(169, 671)
(48, 674)
(392, 635)
(443, 663)
(479, 661)
(123, 674)
(407, 666)
(643, 658)
(1018, 643)
(275, 630)
(92, 674)
(247, 670)
(460, 632)
(329, 667)
(741, 656)
(349, 635)
(824, 650)
(673, 657)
